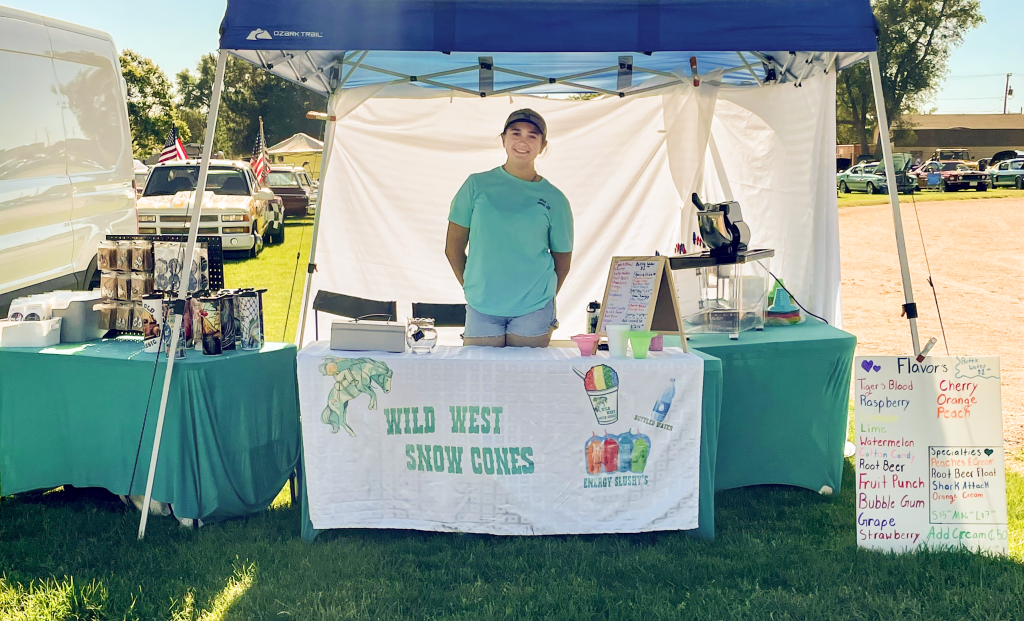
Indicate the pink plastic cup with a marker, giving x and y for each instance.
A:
(587, 343)
(658, 343)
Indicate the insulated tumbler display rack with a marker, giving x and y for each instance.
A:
(214, 248)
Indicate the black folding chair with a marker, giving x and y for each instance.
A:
(444, 315)
(352, 307)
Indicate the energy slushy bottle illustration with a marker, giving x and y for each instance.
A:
(626, 451)
(595, 454)
(611, 453)
(661, 408)
(641, 450)
(602, 384)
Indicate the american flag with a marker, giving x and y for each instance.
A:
(259, 164)
(173, 148)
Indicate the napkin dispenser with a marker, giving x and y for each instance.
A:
(355, 335)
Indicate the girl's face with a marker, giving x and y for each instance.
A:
(523, 142)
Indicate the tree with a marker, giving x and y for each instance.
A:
(915, 40)
(150, 107)
(248, 94)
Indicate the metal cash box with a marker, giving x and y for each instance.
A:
(354, 335)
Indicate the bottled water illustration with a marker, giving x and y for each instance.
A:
(665, 401)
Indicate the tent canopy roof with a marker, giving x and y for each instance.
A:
(299, 143)
(316, 44)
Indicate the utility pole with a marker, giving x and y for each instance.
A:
(1006, 91)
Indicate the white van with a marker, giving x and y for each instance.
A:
(65, 154)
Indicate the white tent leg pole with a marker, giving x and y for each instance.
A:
(897, 218)
(307, 286)
(193, 232)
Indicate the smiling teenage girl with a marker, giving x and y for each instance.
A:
(518, 228)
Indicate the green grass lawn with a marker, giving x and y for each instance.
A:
(275, 270)
(858, 199)
(780, 553)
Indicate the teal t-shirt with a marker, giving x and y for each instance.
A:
(514, 226)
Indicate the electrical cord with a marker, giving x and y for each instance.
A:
(302, 238)
(795, 301)
(931, 284)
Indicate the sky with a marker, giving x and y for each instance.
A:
(176, 34)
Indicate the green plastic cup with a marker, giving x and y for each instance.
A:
(641, 342)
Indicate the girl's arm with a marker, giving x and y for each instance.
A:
(562, 261)
(455, 249)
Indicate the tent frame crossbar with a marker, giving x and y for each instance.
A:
(746, 64)
(350, 61)
(536, 80)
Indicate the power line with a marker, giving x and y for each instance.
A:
(975, 76)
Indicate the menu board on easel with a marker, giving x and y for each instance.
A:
(640, 293)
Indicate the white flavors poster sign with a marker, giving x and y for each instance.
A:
(929, 461)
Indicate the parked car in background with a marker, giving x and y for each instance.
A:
(1009, 154)
(235, 207)
(293, 185)
(1007, 173)
(860, 178)
(870, 176)
(314, 196)
(65, 154)
(141, 174)
(955, 155)
(953, 176)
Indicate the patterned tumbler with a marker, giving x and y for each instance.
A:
(209, 311)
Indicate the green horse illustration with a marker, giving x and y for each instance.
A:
(353, 376)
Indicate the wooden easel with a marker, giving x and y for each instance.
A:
(645, 287)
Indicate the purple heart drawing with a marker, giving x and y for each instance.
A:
(866, 365)
(876, 368)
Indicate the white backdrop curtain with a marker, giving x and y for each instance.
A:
(399, 157)
(777, 146)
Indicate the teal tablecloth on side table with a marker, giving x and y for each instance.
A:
(709, 432)
(72, 415)
(785, 400)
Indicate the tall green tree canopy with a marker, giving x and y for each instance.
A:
(915, 39)
(248, 94)
(151, 108)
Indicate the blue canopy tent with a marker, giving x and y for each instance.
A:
(497, 47)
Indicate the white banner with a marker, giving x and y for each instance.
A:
(506, 441)
(930, 468)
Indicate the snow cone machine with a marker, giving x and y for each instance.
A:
(723, 289)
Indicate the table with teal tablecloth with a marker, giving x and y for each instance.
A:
(710, 408)
(73, 414)
(785, 400)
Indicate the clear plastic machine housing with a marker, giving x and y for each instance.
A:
(725, 299)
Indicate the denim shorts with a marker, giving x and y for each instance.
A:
(538, 323)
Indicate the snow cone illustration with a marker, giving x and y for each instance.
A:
(602, 384)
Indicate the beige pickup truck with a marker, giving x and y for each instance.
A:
(235, 206)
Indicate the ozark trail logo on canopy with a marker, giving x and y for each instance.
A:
(260, 33)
